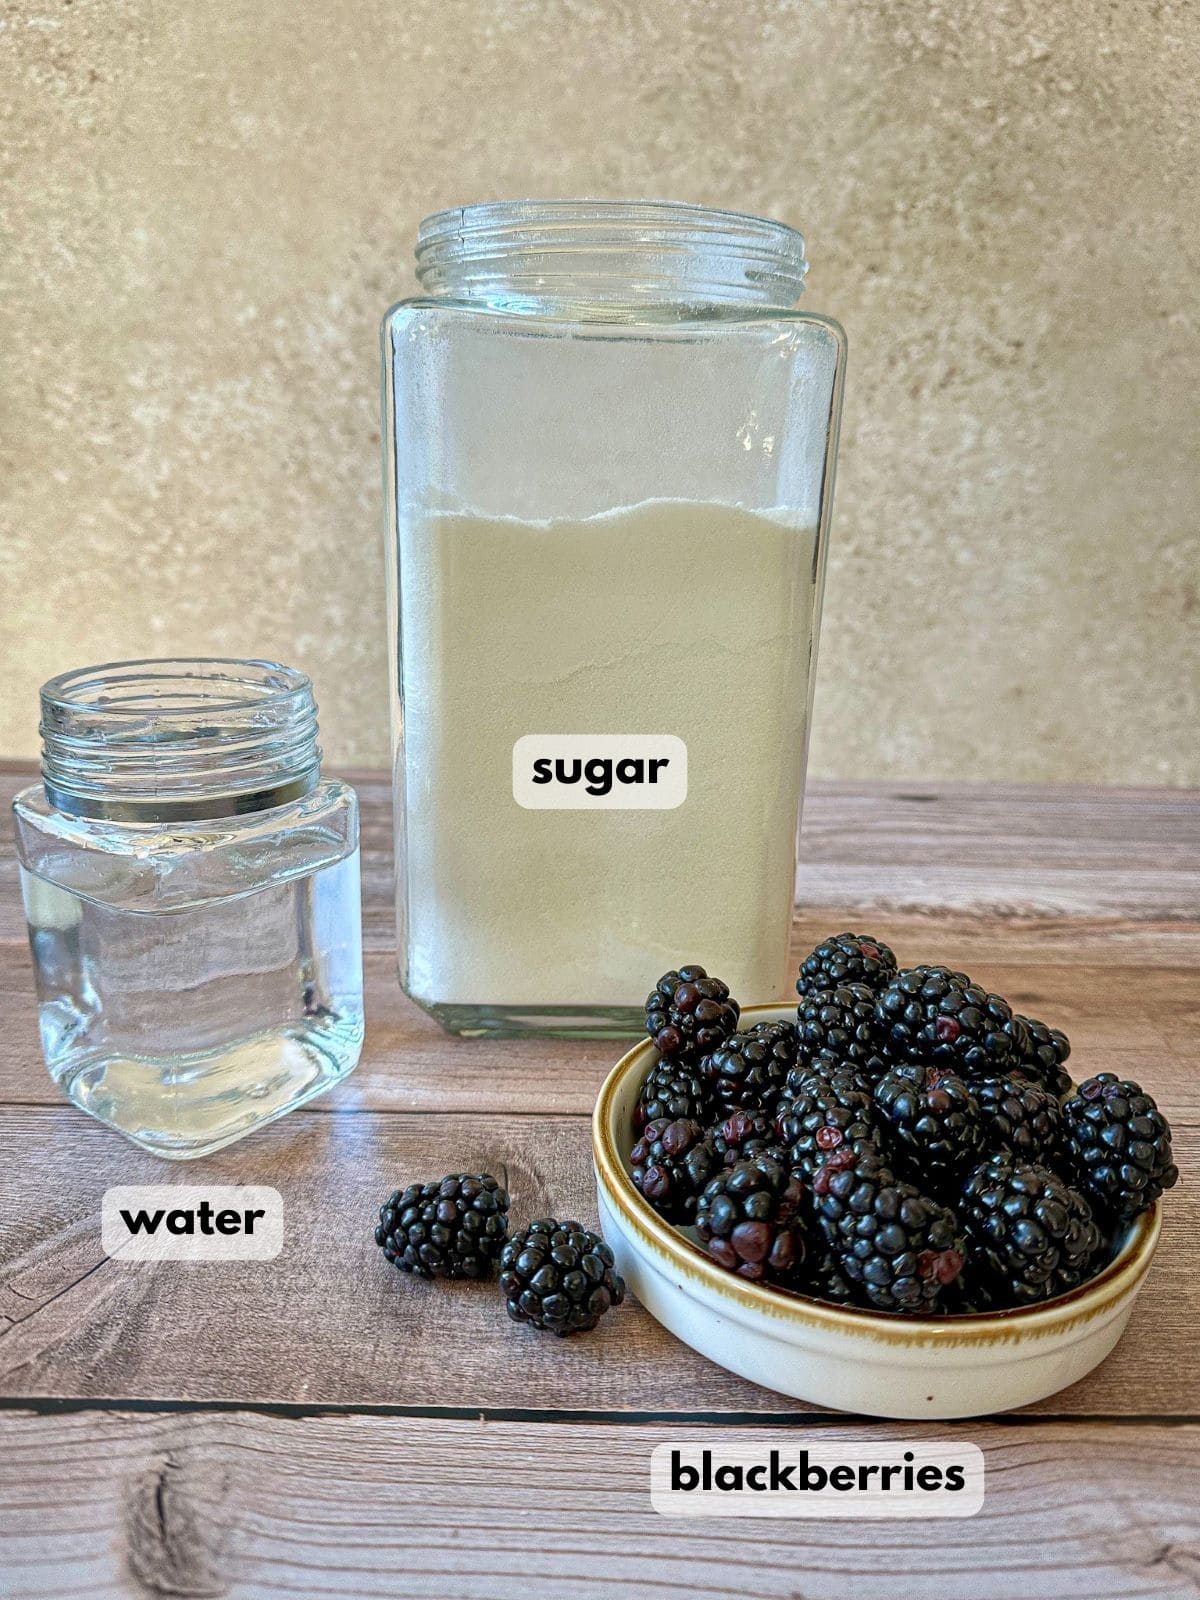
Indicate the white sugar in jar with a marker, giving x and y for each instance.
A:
(609, 446)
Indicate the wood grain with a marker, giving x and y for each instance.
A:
(1126, 859)
(1124, 985)
(332, 1323)
(118, 1505)
(1082, 906)
(1141, 1021)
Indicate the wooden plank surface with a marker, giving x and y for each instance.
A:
(224, 1479)
(256, 1506)
(950, 857)
(334, 1324)
(1143, 1022)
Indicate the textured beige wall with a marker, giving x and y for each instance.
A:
(208, 205)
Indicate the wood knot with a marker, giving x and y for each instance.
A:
(175, 1529)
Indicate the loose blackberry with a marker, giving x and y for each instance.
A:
(671, 1091)
(819, 1117)
(559, 1276)
(744, 1134)
(934, 1014)
(934, 1121)
(1032, 1235)
(846, 958)
(750, 1068)
(1021, 1116)
(453, 1228)
(1045, 1050)
(688, 1014)
(1120, 1145)
(670, 1164)
(899, 1249)
(842, 1024)
(750, 1220)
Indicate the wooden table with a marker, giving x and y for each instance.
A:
(325, 1426)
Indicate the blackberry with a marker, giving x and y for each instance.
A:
(842, 1025)
(822, 1117)
(784, 1030)
(937, 971)
(1120, 1145)
(1045, 1050)
(1032, 1235)
(750, 1220)
(453, 1228)
(846, 958)
(671, 1091)
(559, 1276)
(1019, 1115)
(823, 1279)
(688, 1014)
(750, 1068)
(934, 1121)
(670, 1164)
(934, 1014)
(971, 1293)
(823, 1276)
(827, 1068)
(899, 1249)
(744, 1134)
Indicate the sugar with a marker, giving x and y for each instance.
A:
(667, 617)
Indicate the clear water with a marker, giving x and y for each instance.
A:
(252, 1003)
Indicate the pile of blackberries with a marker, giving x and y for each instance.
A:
(909, 1144)
(553, 1275)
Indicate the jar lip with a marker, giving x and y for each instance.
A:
(610, 250)
(678, 215)
(178, 738)
(99, 688)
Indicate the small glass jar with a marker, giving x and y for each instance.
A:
(609, 455)
(191, 885)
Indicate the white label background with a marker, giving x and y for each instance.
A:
(264, 1244)
(667, 791)
(873, 1502)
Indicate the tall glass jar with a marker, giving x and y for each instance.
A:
(609, 456)
(191, 885)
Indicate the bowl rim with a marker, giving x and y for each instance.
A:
(1074, 1308)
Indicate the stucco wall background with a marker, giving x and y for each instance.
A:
(207, 207)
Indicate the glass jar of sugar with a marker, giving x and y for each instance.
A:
(191, 885)
(609, 454)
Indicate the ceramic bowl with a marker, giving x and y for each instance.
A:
(868, 1362)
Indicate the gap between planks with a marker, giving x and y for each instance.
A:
(296, 1411)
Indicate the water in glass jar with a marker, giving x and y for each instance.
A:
(199, 981)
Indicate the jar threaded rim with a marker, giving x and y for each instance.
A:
(610, 251)
(181, 738)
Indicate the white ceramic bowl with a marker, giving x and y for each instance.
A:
(869, 1362)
